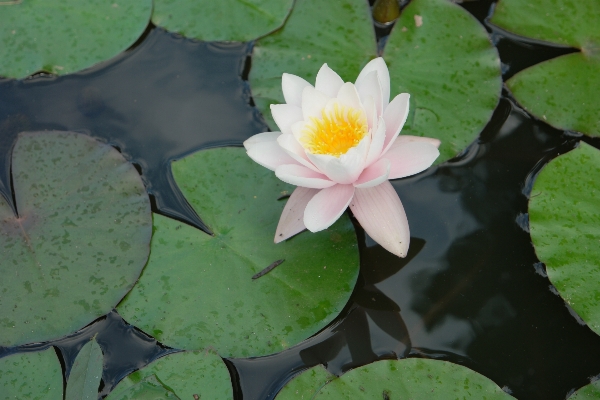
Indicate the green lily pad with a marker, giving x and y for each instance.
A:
(564, 215)
(306, 385)
(33, 376)
(449, 67)
(197, 290)
(562, 91)
(86, 373)
(66, 36)
(223, 20)
(178, 376)
(339, 33)
(80, 240)
(588, 392)
(412, 378)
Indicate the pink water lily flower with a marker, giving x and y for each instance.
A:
(339, 144)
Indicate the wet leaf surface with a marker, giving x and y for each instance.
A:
(564, 214)
(588, 392)
(79, 241)
(66, 36)
(223, 20)
(178, 376)
(306, 385)
(86, 373)
(34, 376)
(197, 290)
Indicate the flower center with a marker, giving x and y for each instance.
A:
(336, 132)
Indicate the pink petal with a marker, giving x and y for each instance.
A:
(288, 142)
(292, 87)
(395, 116)
(409, 138)
(285, 115)
(369, 86)
(260, 138)
(313, 102)
(292, 217)
(299, 175)
(374, 175)
(380, 213)
(348, 96)
(377, 139)
(409, 158)
(327, 206)
(270, 155)
(384, 77)
(328, 81)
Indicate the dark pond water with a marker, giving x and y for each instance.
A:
(471, 290)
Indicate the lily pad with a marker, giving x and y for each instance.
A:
(564, 215)
(306, 385)
(178, 376)
(223, 20)
(66, 36)
(562, 91)
(588, 392)
(197, 290)
(443, 57)
(339, 33)
(33, 376)
(86, 373)
(412, 379)
(79, 241)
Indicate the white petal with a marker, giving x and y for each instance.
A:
(371, 111)
(409, 158)
(260, 138)
(395, 116)
(370, 86)
(291, 221)
(348, 96)
(374, 175)
(299, 175)
(328, 81)
(377, 139)
(327, 206)
(313, 102)
(384, 77)
(380, 213)
(409, 138)
(270, 155)
(285, 115)
(344, 169)
(298, 130)
(288, 142)
(292, 87)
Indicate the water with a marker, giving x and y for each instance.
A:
(471, 290)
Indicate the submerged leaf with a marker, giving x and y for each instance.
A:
(86, 373)
(32, 376)
(197, 290)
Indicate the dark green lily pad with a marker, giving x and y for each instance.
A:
(562, 91)
(32, 376)
(449, 67)
(339, 33)
(564, 215)
(412, 379)
(178, 376)
(80, 240)
(223, 20)
(588, 392)
(197, 290)
(68, 35)
(306, 385)
(86, 373)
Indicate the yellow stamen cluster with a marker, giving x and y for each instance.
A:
(336, 132)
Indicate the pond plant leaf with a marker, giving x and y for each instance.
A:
(198, 290)
(564, 219)
(33, 376)
(412, 378)
(451, 70)
(223, 20)
(66, 36)
(588, 392)
(306, 384)
(86, 373)
(562, 91)
(341, 34)
(80, 238)
(178, 376)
